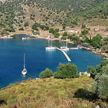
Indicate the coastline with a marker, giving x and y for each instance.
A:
(93, 50)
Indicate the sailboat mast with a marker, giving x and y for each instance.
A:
(51, 43)
(66, 43)
(24, 60)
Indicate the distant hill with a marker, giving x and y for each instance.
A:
(75, 6)
(15, 14)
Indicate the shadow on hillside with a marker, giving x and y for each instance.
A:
(2, 102)
(84, 94)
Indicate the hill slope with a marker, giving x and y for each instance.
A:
(47, 93)
(15, 14)
(50, 93)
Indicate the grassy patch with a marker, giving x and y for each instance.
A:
(48, 93)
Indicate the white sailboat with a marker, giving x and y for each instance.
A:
(24, 71)
(65, 48)
(50, 47)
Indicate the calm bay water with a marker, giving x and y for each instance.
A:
(37, 59)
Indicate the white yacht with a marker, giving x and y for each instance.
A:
(25, 38)
(24, 71)
(50, 47)
(64, 48)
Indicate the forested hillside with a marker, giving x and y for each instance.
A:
(18, 14)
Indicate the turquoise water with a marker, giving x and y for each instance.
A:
(37, 59)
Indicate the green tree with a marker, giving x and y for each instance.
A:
(101, 83)
(66, 71)
(96, 41)
(83, 26)
(21, 29)
(105, 48)
(56, 30)
(47, 73)
(92, 71)
(64, 26)
(51, 30)
(100, 66)
(75, 39)
(56, 34)
(35, 26)
(65, 34)
(44, 27)
(85, 32)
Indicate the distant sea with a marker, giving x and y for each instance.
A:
(37, 59)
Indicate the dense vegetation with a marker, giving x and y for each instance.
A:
(66, 71)
(100, 75)
(82, 6)
(47, 73)
(105, 45)
(63, 71)
(101, 85)
(19, 14)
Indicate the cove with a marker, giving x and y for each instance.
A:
(37, 59)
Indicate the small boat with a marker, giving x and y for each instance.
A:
(24, 71)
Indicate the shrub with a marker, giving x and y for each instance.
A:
(66, 71)
(65, 34)
(100, 66)
(55, 32)
(105, 48)
(101, 83)
(51, 30)
(47, 73)
(92, 71)
(35, 26)
(96, 41)
(21, 29)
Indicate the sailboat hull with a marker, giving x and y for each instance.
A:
(24, 71)
(50, 48)
(64, 48)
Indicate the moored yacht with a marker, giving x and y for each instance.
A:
(50, 47)
(64, 48)
(25, 38)
(24, 71)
